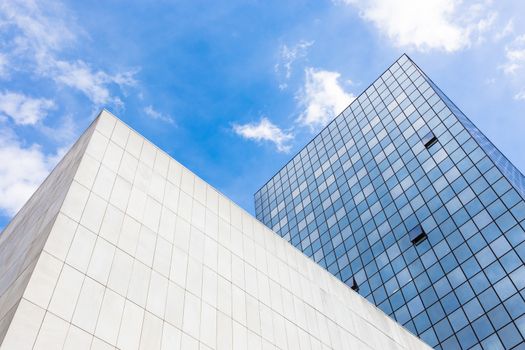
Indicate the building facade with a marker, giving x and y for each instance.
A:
(407, 202)
(121, 247)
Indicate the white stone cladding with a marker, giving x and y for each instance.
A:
(21, 242)
(143, 254)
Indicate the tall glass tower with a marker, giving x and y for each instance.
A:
(407, 202)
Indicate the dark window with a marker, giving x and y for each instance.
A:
(429, 139)
(417, 235)
(354, 286)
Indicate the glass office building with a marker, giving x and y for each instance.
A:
(409, 204)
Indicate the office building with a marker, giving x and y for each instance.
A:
(121, 247)
(407, 202)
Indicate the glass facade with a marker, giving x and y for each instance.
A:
(431, 231)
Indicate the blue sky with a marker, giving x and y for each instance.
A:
(232, 89)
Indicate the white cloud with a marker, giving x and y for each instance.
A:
(36, 33)
(515, 56)
(24, 110)
(322, 98)
(514, 65)
(448, 25)
(265, 130)
(22, 169)
(41, 27)
(287, 57)
(506, 30)
(94, 84)
(520, 95)
(154, 114)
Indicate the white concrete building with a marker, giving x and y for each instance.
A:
(123, 248)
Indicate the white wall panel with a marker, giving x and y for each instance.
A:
(145, 255)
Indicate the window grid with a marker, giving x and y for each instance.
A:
(350, 197)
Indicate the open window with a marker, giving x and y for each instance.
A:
(417, 235)
(429, 139)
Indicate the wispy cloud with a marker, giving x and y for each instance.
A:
(154, 114)
(322, 98)
(515, 56)
(507, 29)
(448, 25)
(36, 35)
(514, 65)
(94, 84)
(22, 169)
(287, 57)
(520, 95)
(38, 27)
(265, 130)
(24, 110)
